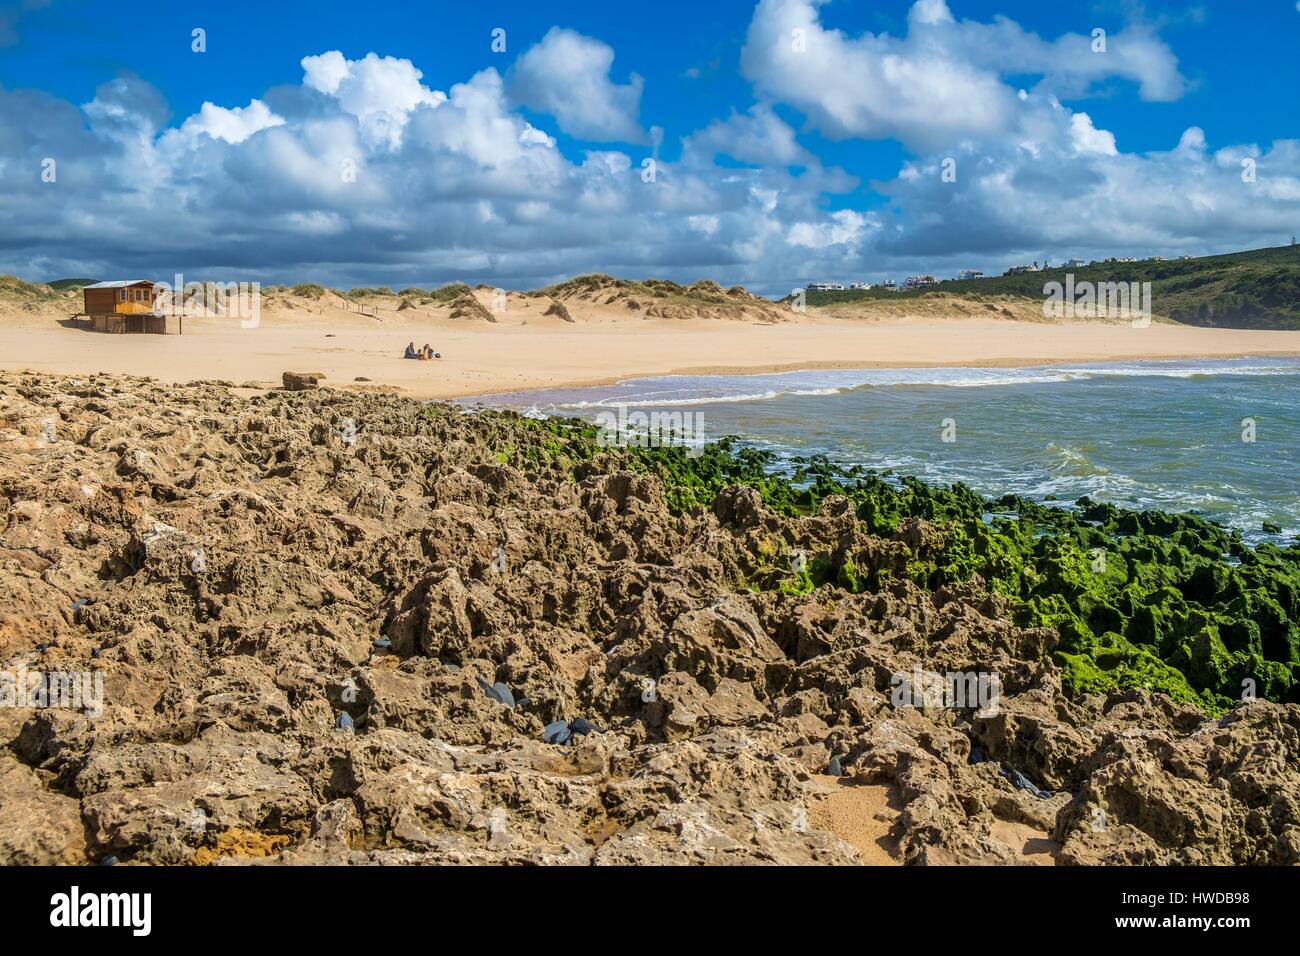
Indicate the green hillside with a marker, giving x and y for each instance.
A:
(1259, 289)
(59, 285)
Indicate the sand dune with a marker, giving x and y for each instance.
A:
(596, 339)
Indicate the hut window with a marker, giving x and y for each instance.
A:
(121, 295)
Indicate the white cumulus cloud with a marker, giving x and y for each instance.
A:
(758, 136)
(567, 76)
(381, 92)
(232, 125)
(364, 175)
(944, 81)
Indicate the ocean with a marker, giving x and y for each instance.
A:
(1218, 438)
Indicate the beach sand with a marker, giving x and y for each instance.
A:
(866, 816)
(527, 350)
(862, 815)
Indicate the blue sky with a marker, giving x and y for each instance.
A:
(774, 167)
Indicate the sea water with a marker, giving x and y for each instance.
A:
(1219, 438)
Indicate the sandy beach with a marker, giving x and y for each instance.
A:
(525, 349)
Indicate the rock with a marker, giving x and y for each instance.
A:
(739, 506)
(359, 583)
(37, 827)
(300, 381)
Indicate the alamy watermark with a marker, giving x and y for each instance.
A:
(1098, 300)
(621, 428)
(74, 908)
(217, 300)
(71, 690)
(960, 690)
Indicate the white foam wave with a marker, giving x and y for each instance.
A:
(715, 389)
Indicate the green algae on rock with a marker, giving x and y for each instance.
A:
(1164, 602)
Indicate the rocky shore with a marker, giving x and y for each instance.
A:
(343, 628)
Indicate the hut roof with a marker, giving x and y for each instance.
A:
(119, 284)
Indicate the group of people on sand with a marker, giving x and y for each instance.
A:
(423, 354)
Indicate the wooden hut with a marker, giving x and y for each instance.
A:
(123, 305)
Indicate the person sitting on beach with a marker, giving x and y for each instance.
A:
(426, 353)
(410, 351)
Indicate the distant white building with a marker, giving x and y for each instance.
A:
(918, 282)
(859, 285)
(1074, 263)
(1021, 270)
(825, 287)
(970, 274)
(889, 285)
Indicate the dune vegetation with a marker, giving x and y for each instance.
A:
(1256, 289)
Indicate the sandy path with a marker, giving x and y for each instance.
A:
(529, 351)
(1035, 847)
(864, 816)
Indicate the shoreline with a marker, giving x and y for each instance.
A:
(1064, 466)
(526, 350)
(734, 371)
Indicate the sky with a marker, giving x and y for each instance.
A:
(765, 144)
